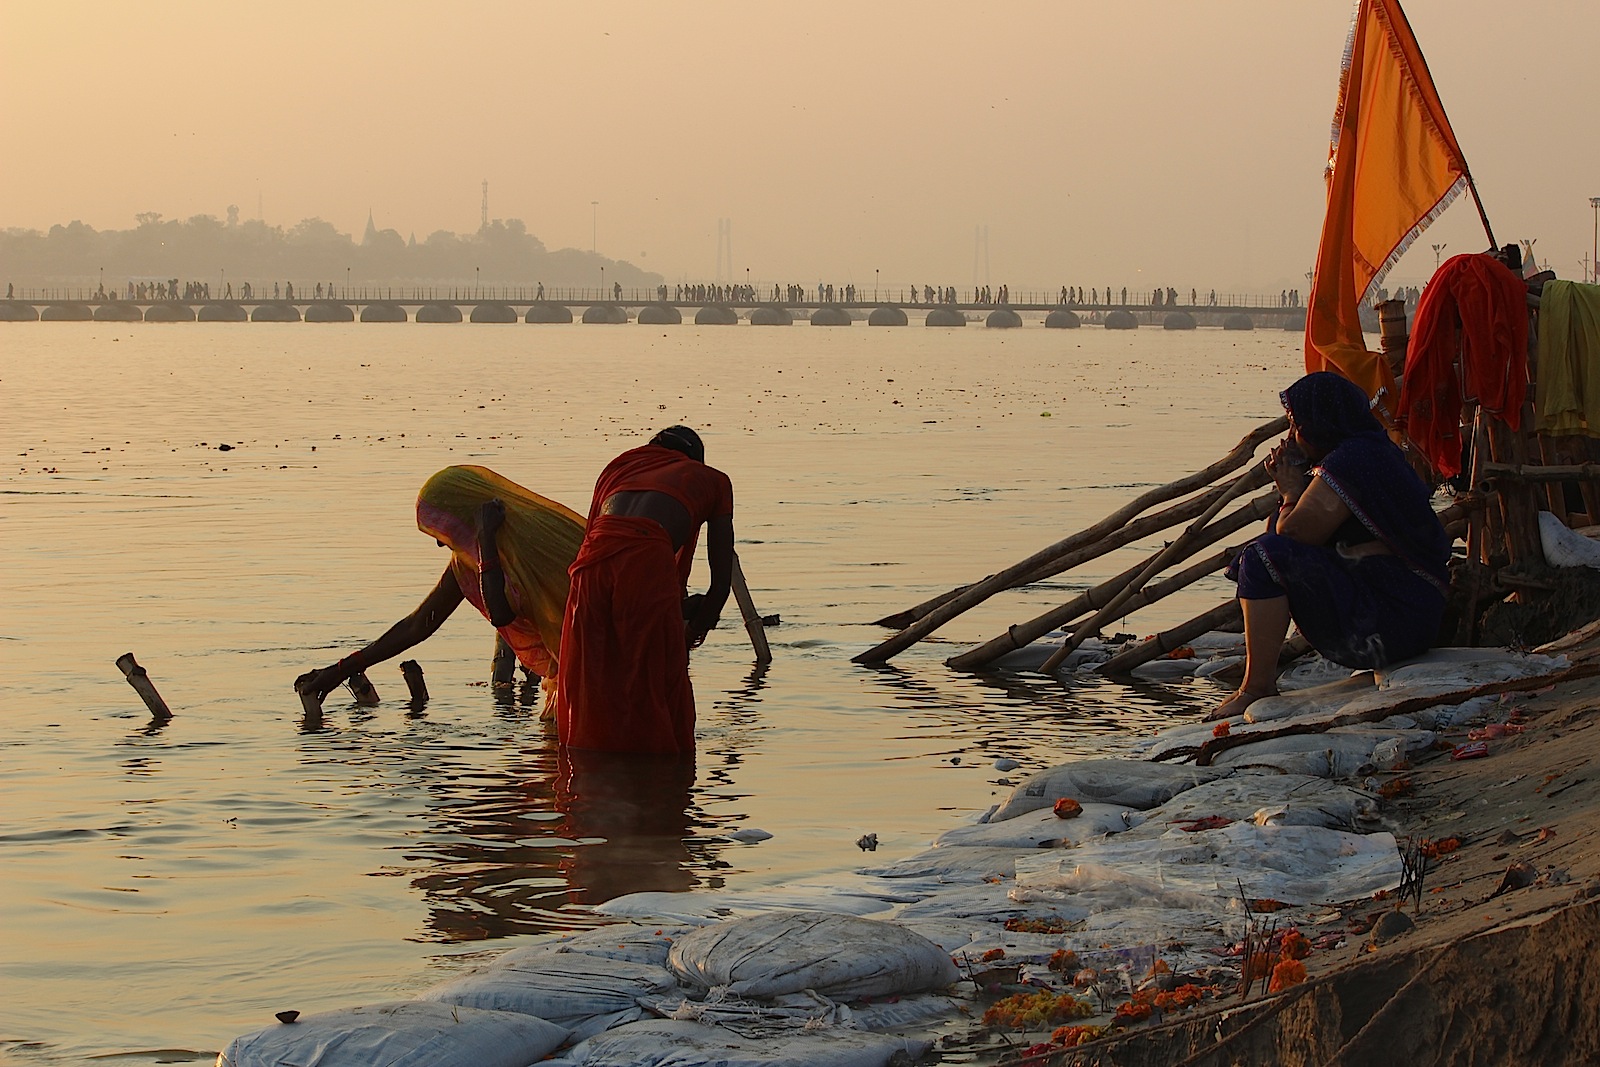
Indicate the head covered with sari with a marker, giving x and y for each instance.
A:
(537, 543)
(1328, 409)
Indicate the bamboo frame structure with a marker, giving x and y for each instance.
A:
(932, 614)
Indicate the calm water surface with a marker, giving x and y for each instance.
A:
(166, 888)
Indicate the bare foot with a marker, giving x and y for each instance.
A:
(1235, 704)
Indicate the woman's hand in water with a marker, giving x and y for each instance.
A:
(320, 683)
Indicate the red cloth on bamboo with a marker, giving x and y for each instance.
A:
(624, 683)
(1476, 305)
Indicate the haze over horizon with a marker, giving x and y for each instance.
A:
(1149, 143)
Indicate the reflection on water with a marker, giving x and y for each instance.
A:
(205, 871)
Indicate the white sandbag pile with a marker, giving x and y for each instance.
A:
(1343, 752)
(1118, 782)
(838, 956)
(583, 993)
(403, 1034)
(674, 1043)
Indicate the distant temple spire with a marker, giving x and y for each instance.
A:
(372, 231)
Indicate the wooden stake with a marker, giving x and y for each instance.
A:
(1236, 458)
(139, 678)
(362, 689)
(503, 668)
(411, 670)
(752, 618)
(1180, 548)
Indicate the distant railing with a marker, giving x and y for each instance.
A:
(527, 294)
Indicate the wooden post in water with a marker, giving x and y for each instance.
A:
(139, 678)
(752, 618)
(362, 689)
(411, 670)
(503, 672)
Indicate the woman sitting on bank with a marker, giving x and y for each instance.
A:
(509, 553)
(1355, 555)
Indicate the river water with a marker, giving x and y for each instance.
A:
(167, 887)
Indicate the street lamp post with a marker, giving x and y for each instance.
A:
(347, 283)
(477, 279)
(1438, 250)
(602, 283)
(1594, 267)
(874, 285)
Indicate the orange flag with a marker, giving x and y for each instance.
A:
(1393, 166)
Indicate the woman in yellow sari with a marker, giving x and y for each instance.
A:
(509, 553)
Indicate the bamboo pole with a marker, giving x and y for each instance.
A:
(1124, 662)
(752, 618)
(139, 678)
(1539, 472)
(1178, 549)
(1040, 566)
(1023, 634)
(1236, 458)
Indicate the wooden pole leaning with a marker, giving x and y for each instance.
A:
(1060, 556)
(1167, 640)
(1240, 454)
(752, 618)
(1178, 549)
(1025, 633)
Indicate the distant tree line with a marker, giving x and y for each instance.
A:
(501, 253)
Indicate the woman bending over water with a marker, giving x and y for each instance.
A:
(509, 553)
(1355, 555)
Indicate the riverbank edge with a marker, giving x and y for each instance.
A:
(1490, 974)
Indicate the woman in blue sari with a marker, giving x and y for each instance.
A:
(1355, 554)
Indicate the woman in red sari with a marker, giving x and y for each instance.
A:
(626, 635)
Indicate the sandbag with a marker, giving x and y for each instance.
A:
(1343, 752)
(1564, 547)
(950, 866)
(1293, 800)
(1325, 699)
(1442, 670)
(1041, 829)
(585, 994)
(835, 955)
(1120, 782)
(674, 1043)
(401, 1034)
(625, 941)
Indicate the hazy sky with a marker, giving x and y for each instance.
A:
(1118, 142)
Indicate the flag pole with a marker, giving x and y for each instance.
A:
(1472, 187)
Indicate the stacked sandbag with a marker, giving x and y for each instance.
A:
(583, 993)
(402, 1034)
(1119, 783)
(838, 956)
(678, 1043)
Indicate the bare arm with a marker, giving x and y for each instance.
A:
(491, 579)
(719, 555)
(1314, 516)
(412, 630)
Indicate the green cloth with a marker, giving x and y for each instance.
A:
(1569, 359)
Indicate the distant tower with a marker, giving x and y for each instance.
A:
(483, 223)
(724, 248)
(372, 231)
